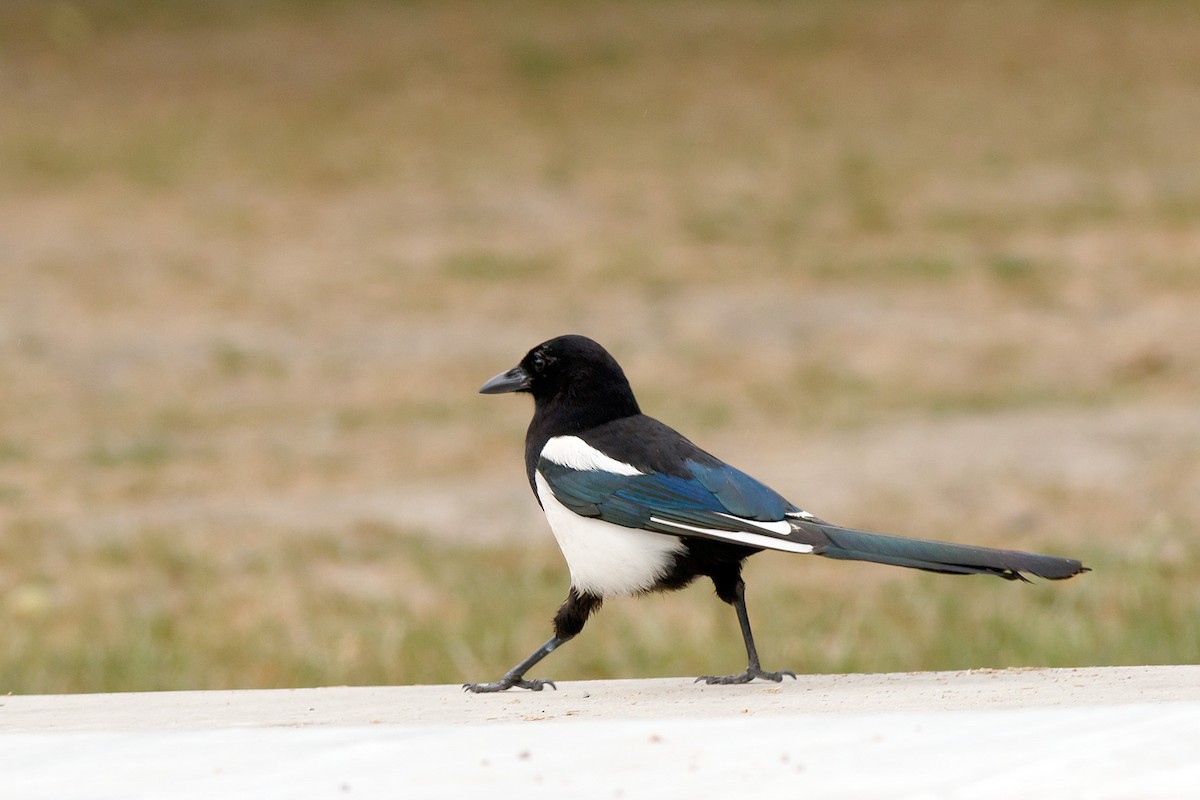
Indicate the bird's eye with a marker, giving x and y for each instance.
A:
(541, 359)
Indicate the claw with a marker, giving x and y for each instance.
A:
(745, 677)
(532, 684)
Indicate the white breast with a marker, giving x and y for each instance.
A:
(606, 559)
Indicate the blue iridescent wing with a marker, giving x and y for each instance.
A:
(711, 501)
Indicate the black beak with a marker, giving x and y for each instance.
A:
(515, 380)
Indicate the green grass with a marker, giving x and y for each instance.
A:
(376, 606)
(258, 257)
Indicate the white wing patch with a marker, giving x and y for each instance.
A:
(800, 515)
(575, 453)
(780, 527)
(741, 537)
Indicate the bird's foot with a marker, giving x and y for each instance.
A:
(745, 677)
(532, 684)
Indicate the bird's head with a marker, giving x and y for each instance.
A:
(569, 370)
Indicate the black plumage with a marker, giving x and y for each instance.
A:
(637, 507)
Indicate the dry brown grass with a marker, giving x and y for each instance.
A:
(925, 267)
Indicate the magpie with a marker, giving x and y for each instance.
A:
(637, 508)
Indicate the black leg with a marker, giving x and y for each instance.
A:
(516, 675)
(754, 669)
(568, 622)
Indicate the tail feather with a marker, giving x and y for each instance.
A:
(955, 559)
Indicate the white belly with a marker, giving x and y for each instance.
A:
(606, 559)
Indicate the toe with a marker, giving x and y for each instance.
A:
(745, 677)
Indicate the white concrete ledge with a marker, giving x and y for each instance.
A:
(1111, 732)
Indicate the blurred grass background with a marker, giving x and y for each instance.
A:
(929, 267)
